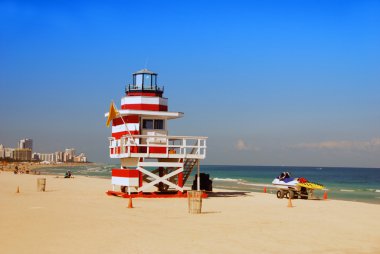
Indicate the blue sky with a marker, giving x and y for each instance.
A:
(269, 82)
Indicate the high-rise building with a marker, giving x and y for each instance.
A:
(22, 154)
(25, 143)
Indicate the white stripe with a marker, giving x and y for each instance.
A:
(122, 127)
(144, 100)
(131, 181)
(161, 114)
(161, 164)
(117, 142)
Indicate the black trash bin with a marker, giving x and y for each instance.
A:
(205, 182)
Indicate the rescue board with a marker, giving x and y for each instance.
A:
(310, 185)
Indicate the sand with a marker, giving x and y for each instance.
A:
(35, 167)
(76, 216)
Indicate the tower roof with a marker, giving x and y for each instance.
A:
(149, 113)
(144, 71)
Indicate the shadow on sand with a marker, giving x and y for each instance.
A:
(227, 194)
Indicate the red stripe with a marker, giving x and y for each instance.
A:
(129, 173)
(157, 149)
(153, 94)
(134, 149)
(140, 179)
(152, 107)
(153, 149)
(127, 119)
(180, 179)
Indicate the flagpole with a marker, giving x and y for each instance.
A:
(126, 126)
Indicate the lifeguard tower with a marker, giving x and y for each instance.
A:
(153, 164)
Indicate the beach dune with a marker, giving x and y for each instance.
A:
(76, 216)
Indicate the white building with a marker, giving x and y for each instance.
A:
(59, 156)
(69, 155)
(47, 157)
(2, 152)
(80, 158)
(8, 153)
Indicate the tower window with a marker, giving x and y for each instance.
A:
(147, 81)
(153, 124)
(147, 124)
(138, 81)
(159, 124)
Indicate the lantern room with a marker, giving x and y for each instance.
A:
(144, 82)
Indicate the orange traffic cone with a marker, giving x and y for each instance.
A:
(130, 203)
(290, 202)
(325, 195)
(18, 189)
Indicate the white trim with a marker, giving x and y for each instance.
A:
(157, 155)
(125, 181)
(193, 147)
(161, 164)
(144, 100)
(158, 114)
(127, 127)
(160, 179)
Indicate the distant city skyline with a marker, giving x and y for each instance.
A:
(269, 82)
(24, 152)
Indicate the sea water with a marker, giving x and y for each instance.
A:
(352, 184)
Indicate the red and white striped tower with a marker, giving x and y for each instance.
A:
(151, 161)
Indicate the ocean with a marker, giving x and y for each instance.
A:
(351, 184)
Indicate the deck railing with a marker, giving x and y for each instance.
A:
(133, 88)
(158, 146)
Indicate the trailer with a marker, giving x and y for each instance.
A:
(293, 193)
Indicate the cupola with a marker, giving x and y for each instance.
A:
(144, 83)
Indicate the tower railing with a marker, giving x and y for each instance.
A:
(158, 146)
(133, 88)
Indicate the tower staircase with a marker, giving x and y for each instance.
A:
(188, 168)
(189, 164)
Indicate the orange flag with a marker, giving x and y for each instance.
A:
(112, 114)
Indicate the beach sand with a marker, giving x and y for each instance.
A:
(76, 216)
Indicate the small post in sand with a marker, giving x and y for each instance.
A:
(290, 202)
(18, 189)
(41, 184)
